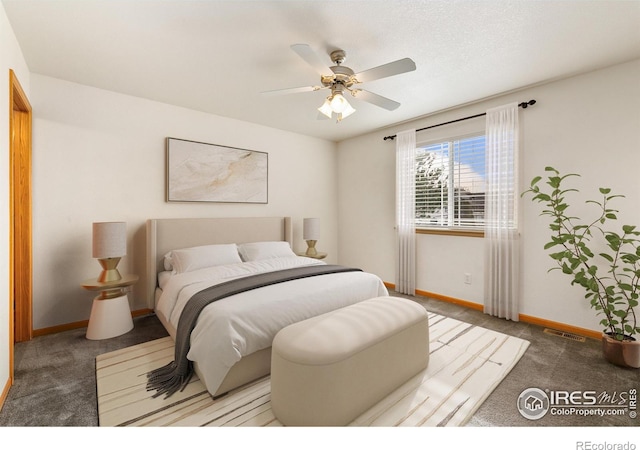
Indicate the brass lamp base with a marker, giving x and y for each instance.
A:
(109, 271)
(311, 248)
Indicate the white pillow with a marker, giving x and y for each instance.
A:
(256, 251)
(194, 258)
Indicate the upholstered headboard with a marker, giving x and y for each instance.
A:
(164, 235)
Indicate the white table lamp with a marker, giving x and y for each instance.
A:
(109, 245)
(311, 233)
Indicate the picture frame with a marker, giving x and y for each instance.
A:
(201, 172)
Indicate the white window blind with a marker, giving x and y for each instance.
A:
(450, 184)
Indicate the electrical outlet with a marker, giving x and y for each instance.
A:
(467, 278)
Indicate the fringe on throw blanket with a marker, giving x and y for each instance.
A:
(167, 380)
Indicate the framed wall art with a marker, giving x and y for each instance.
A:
(200, 172)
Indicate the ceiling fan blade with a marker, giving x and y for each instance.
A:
(292, 90)
(377, 100)
(386, 70)
(305, 52)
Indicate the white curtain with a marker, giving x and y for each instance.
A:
(405, 212)
(502, 246)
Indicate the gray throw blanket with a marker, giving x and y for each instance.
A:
(177, 374)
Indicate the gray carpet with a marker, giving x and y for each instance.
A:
(55, 374)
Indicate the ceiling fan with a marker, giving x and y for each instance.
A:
(341, 80)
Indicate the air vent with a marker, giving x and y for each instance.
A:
(564, 334)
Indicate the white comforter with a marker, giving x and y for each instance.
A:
(237, 326)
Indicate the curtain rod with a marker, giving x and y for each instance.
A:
(522, 105)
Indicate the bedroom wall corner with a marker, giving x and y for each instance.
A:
(10, 58)
(366, 207)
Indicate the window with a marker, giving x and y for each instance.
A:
(450, 184)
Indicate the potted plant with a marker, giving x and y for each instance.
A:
(605, 263)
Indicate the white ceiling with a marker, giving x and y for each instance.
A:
(217, 56)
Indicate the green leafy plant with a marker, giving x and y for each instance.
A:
(611, 274)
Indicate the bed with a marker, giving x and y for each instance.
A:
(231, 342)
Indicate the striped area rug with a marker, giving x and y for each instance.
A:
(466, 364)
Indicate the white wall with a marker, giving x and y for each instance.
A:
(100, 156)
(10, 58)
(589, 124)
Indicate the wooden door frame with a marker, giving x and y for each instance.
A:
(20, 206)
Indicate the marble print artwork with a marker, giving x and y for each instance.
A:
(211, 173)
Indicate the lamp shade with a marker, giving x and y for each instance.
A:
(347, 112)
(326, 109)
(339, 103)
(311, 229)
(109, 239)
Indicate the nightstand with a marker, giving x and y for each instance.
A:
(318, 255)
(110, 312)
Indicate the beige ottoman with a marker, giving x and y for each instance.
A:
(328, 370)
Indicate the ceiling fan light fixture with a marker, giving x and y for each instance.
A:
(343, 110)
(341, 79)
(338, 103)
(326, 108)
(347, 111)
